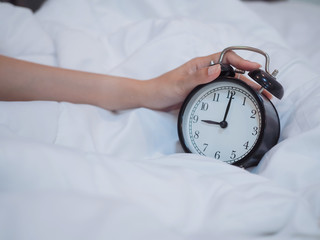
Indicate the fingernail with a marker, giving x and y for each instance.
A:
(257, 64)
(213, 69)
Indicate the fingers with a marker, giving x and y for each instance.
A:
(240, 63)
(230, 58)
(233, 59)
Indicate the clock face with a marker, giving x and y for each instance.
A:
(223, 120)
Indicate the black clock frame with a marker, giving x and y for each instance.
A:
(270, 123)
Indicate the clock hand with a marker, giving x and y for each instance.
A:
(224, 123)
(227, 109)
(211, 122)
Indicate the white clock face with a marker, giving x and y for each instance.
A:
(222, 120)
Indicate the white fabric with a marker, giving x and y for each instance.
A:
(73, 171)
(297, 22)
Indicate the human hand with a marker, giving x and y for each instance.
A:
(168, 91)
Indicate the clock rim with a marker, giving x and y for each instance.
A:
(241, 162)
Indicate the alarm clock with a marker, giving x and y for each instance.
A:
(228, 120)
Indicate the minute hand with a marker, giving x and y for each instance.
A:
(227, 109)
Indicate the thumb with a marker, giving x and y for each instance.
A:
(204, 75)
(213, 71)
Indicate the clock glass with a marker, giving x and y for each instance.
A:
(223, 120)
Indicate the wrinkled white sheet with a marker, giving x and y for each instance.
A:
(71, 171)
(297, 23)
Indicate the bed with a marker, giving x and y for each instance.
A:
(72, 171)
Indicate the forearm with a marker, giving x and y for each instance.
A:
(24, 81)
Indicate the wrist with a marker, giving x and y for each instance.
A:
(119, 93)
(157, 94)
(146, 93)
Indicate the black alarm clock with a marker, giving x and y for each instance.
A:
(228, 120)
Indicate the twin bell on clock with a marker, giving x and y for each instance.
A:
(228, 120)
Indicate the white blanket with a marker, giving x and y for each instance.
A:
(71, 171)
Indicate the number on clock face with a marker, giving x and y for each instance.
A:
(222, 121)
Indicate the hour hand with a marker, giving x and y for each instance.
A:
(222, 124)
(211, 122)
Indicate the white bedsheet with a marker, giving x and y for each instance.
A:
(70, 171)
